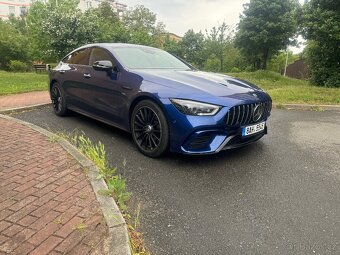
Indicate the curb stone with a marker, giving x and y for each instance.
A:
(307, 106)
(22, 108)
(118, 241)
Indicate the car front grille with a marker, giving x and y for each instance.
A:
(241, 115)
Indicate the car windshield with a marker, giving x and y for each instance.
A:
(147, 58)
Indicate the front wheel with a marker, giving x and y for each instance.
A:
(58, 100)
(150, 129)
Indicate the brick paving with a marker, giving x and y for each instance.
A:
(24, 99)
(47, 205)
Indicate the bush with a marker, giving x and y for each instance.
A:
(212, 64)
(235, 70)
(13, 45)
(321, 21)
(333, 80)
(17, 66)
(323, 65)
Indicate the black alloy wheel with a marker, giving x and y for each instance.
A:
(150, 129)
(58, 100)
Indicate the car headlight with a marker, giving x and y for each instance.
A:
(190, 107)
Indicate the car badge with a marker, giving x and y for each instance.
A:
(258, 111)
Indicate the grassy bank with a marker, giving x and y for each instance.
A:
(12, 83)
(285, 90)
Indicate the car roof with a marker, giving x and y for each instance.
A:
(110, 46)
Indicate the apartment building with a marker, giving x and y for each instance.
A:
(13, 7)
(19, 7)
(87, 4)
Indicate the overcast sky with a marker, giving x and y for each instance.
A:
(181, 15)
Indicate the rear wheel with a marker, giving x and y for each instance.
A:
(58, 100)
(150, 129)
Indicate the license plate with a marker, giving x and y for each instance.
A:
(249, 130)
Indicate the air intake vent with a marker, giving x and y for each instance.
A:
(241, 115)
(200, 142)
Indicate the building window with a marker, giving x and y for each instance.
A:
(11, 10)
(23, 10)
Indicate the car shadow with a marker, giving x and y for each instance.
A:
(123, 138)
(120, 147)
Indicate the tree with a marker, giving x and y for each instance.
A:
(217, 41)
(19, 23)
(265, 28)
(277, 63)
(172, 46)
(322, 30)
(59, 27)
(108, 25)
(233, 58)
(192, 46)
(143, 26)
(13, 45)
(212, 64)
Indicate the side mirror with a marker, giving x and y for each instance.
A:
(103, 65)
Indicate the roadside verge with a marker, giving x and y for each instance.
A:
(307, 107)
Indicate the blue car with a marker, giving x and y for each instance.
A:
(163, 101)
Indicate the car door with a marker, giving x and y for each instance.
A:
(108, 101)
(76, 75)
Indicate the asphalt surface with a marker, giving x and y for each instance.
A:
(280, 195)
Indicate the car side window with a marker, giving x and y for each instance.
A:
(98, 54)
(80, 57)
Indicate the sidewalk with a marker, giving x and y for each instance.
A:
(24, 99)
(47, 205)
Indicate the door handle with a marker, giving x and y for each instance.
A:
(87, 75)
(126, 87)
(61, 71)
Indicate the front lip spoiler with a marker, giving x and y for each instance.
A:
(225, 142)
(224, 145)
(233, 146)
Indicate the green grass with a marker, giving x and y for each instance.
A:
(284, 90)
(13, 83)
(96, 152)
(115, 183)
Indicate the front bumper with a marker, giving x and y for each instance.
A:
(215, 143)
(205, 134)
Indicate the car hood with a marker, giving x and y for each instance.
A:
(198, 84)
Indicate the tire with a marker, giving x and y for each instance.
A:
(58, 100)
(150, 129)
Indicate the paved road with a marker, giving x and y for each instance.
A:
(278, 196)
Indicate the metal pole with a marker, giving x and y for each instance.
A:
(284, 74)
